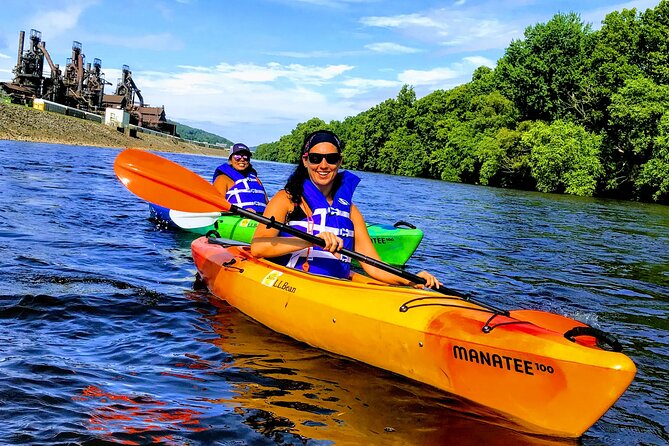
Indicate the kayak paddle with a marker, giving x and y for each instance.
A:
(191, 220)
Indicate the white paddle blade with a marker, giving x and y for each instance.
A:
(193, 220)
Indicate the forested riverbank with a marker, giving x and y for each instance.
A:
(567, 109)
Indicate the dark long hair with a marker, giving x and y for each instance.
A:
(295, 184)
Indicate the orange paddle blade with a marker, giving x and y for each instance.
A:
(166, 183)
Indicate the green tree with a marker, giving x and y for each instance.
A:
(267, 151)
(376, 127)
(352, 131)
(564, 157)
(543, 73)
(462, 134)
(403, 154)
(505, 161)
(653, 179)
(635, 114)
(654, 42)
(614, 59)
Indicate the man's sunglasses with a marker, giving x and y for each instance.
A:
(317, 158)
(239, 157)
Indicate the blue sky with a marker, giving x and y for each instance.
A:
(251, 70)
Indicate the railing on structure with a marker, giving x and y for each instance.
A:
(69, 111)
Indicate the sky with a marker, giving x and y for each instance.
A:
(251, 70)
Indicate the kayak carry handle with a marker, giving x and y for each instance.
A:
(603, 339)
(213, 232)
(404, 223)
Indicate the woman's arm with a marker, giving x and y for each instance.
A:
(266, 241)
(364, 245)
(223, 183)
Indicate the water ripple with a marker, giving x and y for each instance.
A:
(105, 341)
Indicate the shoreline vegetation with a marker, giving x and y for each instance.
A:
(21, 123)
(566, 109)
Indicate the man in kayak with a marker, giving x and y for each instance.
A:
(317, 199)
(238, 181)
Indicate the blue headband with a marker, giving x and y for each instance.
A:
(319, 137)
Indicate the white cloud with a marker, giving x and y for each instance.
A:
(391, 48)
(358, 86)
(238, 97)
(478, 61)
(457, 29)
(6, 67)
(253, 73)
(595, 16)
(445, 77)
(369, 83)
(434, 76)
(61, 20)
(246, 95)
(400, 21)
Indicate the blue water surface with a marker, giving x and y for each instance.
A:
(106, 338)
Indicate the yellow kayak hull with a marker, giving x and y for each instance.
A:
(521, 365)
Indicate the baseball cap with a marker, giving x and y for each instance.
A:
(239, 147)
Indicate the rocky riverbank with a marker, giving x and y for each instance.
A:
(22, 123)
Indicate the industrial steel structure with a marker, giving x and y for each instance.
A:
(78, 86)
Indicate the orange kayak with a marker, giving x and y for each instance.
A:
(521, 365)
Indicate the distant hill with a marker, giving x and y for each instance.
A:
(193, 134)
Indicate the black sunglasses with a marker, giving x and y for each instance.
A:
(317, 158)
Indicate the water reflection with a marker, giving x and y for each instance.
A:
(285, 387)
(130, 418)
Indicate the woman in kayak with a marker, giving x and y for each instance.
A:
(239, 182)
(318, 199)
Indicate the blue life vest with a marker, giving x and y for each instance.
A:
(247, 192)
(335, 218)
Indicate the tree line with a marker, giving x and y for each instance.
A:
(567, 109)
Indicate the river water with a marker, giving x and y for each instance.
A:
(105, 338)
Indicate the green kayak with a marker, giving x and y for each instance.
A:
(395, 244)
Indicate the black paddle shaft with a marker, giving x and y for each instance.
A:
(272, 223)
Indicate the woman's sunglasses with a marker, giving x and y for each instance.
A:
(330, 158)
(241, 157)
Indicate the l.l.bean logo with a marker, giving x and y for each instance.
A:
(271, 278)
(247, 223)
